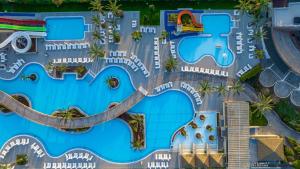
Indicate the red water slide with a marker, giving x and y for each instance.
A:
(22, 22)
(194, 22)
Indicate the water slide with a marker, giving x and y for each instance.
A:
(22, 28)
(13, 37)
(22, 22)
(197, 26)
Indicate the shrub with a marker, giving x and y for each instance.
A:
(251, 73)
(288, 151)
(21, 159)
(296, 164)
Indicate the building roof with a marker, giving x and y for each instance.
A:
(280, 3)
(284, 17)
(237, 113)
(202, 160)
(270, 149)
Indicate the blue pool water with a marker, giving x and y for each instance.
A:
(190, 139)
(65, 28)
(213, 42)
(110, 140)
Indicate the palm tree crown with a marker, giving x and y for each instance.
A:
(205, 87)
(264, 104)
(171, 64)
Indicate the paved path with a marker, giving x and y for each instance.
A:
(33, 115)
(279, 126)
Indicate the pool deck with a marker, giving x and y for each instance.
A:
(143, 49)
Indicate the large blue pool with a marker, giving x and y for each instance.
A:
(213, 42)
(110, 140)
(65, 28)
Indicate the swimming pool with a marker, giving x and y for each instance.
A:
(213, 42)
(110, 140)
(65, 28)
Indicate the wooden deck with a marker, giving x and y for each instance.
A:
(48, 120)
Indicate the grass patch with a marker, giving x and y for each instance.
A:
(251, 73)
(150, 10)
(288, 114)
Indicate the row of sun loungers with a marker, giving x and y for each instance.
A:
(244, 70)
(147, 29)
(164, 86)
(139, 63)
(249, 41)
(72, 60)
(69, 166)
(81, 156)
(192, 91)
(158, 165)
(118, 53)
(3, 57)
(37, 150)
(239, 43)
(163, 157)
(173, 49)
(156, 53)
(123, 61)
(67, 46)
(12, 144)
(16, 66)
(103, 37)
(205, 71)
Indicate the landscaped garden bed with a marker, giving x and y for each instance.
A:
(68, 115)
(60, 69)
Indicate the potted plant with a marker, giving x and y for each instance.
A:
(183, 132)
(211, 138)
(209, 128)
(198, 136)
(202, 117)
(21, 159)
(112, 82)
(193, 125)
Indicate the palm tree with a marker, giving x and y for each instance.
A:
(211, 138)
(61, 68)
(237, 88)
(96, 35)
(96, 20)
(49, 67)
(114, 8)
(164, 34)
(80, 70)
(138, 144)
(7, 166)
(205, 88)
(57, 2)
(117, 37)
(244, 5)
(202, 117)
(193, 125)
(96, 5)
(135, 121)
(209, 128)
(264, 104)
(21, 159)
(96, 52)
(221, 89)
(171, 64)
(259, 54)
(136, 35)
(183, 132)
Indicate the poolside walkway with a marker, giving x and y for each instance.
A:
(33, 115)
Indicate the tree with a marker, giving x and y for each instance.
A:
(7, 166)
(259, 54)
(164, 34)
(96, 5)
(96, 20)
(117, 37)
(264, 104)
(57, 2)
(80, 70)
(138, 144)
(114, 7)
(244, 5)
(135, 121)
(61, 68)
(221, 89)
(260, 34)
(136, 35)
(96, 35)
(96, 52)
(205, 88)
(237, 88)
(183, 132)
(21, 159)
(211, 138)
(171, 64)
